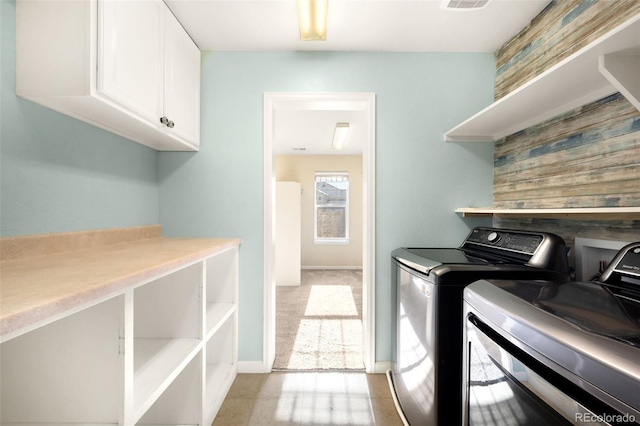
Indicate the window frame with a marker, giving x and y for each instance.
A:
(324, 240)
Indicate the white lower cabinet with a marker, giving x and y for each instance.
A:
(161, 352)
(69, 371)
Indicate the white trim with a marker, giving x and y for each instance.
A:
(364, 102)
(251, 367)
(563, 211)
(269, 278)
(369, 237)
(381, 367)
(332, 267)
(319, 240)
(329, 241)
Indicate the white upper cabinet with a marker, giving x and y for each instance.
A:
(130, 54)
(125, 66)
(181, 80)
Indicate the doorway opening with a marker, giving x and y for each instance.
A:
(326, 319)
(318, 261)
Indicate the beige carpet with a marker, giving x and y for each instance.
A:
(319, 323)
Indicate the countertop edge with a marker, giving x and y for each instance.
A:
(33, 317)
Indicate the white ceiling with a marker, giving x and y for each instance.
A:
(353, 25)
(312, 131)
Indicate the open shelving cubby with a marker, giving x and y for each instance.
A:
(220, 367)
(221, 293)
(166, 332)
(220, 329)
(180, 403)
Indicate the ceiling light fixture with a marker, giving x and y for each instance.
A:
(463, 4)
(312, 19)
(340, 135)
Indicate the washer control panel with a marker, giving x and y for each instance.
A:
(521, 242)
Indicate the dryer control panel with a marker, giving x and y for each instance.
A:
(520, 242)
(626, 263)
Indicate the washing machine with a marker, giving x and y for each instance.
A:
(554, 352)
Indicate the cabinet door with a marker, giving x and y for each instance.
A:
(182, 81)
(130, 55)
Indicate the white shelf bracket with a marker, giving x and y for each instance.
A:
(622, 69)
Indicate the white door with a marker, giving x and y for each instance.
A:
(130, 55)
(181, 81)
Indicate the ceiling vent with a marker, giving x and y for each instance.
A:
(464, 4)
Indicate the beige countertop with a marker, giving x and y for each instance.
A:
(35, 289)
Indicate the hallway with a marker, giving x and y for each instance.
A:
(319, 323)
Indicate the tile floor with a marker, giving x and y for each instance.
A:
(309, 398)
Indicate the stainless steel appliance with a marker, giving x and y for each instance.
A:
(543, 352)
(427, 369)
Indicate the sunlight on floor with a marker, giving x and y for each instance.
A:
(331, 398)
(309, 399)
(330, 332)
(320, 343)
(334, 300)
(319, 323)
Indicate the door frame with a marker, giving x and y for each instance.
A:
(321, 101)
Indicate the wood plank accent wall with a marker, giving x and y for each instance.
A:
(562, 28)
(588, 157)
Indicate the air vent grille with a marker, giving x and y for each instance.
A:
(464, 4)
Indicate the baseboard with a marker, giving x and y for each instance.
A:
(381, 367)
(332, 267)
(251, 367)
(288, 284)
(257, 367)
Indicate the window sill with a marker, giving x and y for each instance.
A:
(331, 241)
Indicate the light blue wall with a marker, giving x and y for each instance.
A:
(59, 174)
(420, 179)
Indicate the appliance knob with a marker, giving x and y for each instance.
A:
(493, 237)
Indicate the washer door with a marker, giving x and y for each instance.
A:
(414, 369)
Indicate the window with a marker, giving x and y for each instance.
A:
(332, 207)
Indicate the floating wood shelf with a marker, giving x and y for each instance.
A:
(598, 213)
(607, 65)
